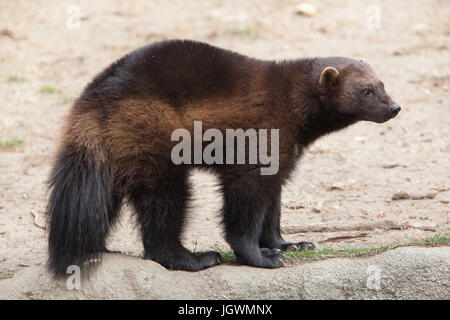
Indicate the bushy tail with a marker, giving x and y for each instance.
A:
(78, 209)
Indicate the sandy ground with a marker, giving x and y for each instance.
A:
(345, 181)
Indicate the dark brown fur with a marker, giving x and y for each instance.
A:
(117, 146)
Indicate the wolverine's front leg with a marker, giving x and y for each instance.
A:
(244, 205)
(271, 234)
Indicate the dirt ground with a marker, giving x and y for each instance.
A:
(345, 184)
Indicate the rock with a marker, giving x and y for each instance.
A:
(403, 273)
(400, 196)
(405, 196)
(306, 9)
(390, 166)
(39, 219)
(7, 33)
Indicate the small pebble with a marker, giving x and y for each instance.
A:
(306, 9)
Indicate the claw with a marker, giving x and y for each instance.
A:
(292, 247)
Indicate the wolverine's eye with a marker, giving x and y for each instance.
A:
(366, 92)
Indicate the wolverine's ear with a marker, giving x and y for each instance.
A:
(329, 77)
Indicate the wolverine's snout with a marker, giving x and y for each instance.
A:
(395, 110)
(382, 113)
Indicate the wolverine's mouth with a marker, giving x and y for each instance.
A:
(381, 115)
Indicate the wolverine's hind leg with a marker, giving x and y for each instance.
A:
(113, 213)
(160, 203)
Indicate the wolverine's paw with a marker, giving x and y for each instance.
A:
(274, 260)
(186, 260)
(207, 259)
(266, 252)
(304, 246)
(268, 258)
(299, 246)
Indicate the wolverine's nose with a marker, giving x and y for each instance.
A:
(395, 110)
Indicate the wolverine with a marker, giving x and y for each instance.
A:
(116, 146)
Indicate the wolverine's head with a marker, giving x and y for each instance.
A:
(351, 87)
